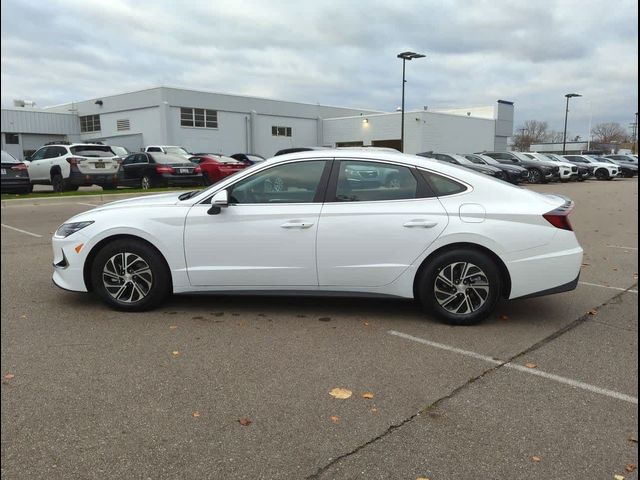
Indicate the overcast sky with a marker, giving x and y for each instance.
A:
(335, 52)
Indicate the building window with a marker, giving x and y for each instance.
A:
(11, 139)
(198, 118)
(90, 123)
(281, 131)
(123, 124)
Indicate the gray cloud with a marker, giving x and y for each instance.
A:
(333, 52)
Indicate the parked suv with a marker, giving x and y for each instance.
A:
(539, 172)
(601, 170)
(568, 171)
(67, 166)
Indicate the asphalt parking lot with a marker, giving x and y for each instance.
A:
(238, 387)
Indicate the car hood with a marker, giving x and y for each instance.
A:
(510, 168)
(163, 199)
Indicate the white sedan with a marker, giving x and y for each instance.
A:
(330, 222)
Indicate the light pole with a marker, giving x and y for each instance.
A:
(405, 56)
(566, 114)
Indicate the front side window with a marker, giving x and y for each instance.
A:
(40, 154)
(288, 183)
(90, 123)
(360, 181)
(198, 118)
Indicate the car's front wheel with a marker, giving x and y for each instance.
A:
(130, 275)
(535, 176)
(460, 287)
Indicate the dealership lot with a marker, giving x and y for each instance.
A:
(102, 394)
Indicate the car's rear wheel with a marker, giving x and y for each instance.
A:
(130, 275)
(602, 174)
(146, 182)
(460, 287)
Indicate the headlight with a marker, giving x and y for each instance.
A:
(67, 229)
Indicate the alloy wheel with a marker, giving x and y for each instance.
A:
(127, 277)
(534, 176)
(461, 288)
(145, 183)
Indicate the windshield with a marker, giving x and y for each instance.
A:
(166, 158)
(474, 159)
(521, 156)
(8, 158)
(460, 159)
(92, 150)
(176, 150)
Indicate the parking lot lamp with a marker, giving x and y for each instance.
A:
(405, 56)
(566, 114)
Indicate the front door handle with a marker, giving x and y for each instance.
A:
(297, 224)
(420, 224)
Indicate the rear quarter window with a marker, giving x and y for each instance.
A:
(442, 186)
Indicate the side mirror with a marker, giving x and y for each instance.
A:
(219, 200)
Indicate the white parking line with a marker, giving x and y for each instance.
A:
(623, 248)
(87, 204)
(21, 231)
(520, 368)
(607, 286)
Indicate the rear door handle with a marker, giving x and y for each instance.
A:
(295, 224)
(420, 224)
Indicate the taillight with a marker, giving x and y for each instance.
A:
(559, 217)
(163, 169)
(73, 161)
(19, 167)
(197, 170)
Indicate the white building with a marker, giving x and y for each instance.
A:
(220, 123)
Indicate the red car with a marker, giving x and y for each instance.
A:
(215, 167)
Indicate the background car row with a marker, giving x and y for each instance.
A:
(67, 166)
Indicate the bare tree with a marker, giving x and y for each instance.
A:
(606, 133)
(532, 131)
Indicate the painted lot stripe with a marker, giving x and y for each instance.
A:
(606, 286)
(520, 368)
(87, 204)
(623, 248)
(21, 231)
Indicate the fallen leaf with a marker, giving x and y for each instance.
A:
(618, 477)
(503, 317)
(373, 410)
(173, 327)
(175, 353)
(8, 376)
(366, 324)
(245, 422)
(633, 439)
(334, 418)
(593, 312)
(535, 458)
(195, 414)
(367, 395)
(630, 467)
(586, 264)
(531, 365)
(324, 319)
(23, 316)
(615, 269)
(340, 393)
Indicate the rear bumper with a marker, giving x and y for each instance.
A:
(79, 179)
(546, 270)
(15, 184)
(181, 180)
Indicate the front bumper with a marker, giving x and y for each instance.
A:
(68, 262)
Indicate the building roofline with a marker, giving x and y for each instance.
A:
(172, 87)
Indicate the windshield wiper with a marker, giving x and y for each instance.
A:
(188, 195)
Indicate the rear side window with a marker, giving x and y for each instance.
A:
(372, 181)
(442, 186)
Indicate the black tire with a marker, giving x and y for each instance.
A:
(431, 296)
(206, 180)
(602, 174)
(57, 182)
(536, 176)
(110, 186)
(146, 182)
(152, 289)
